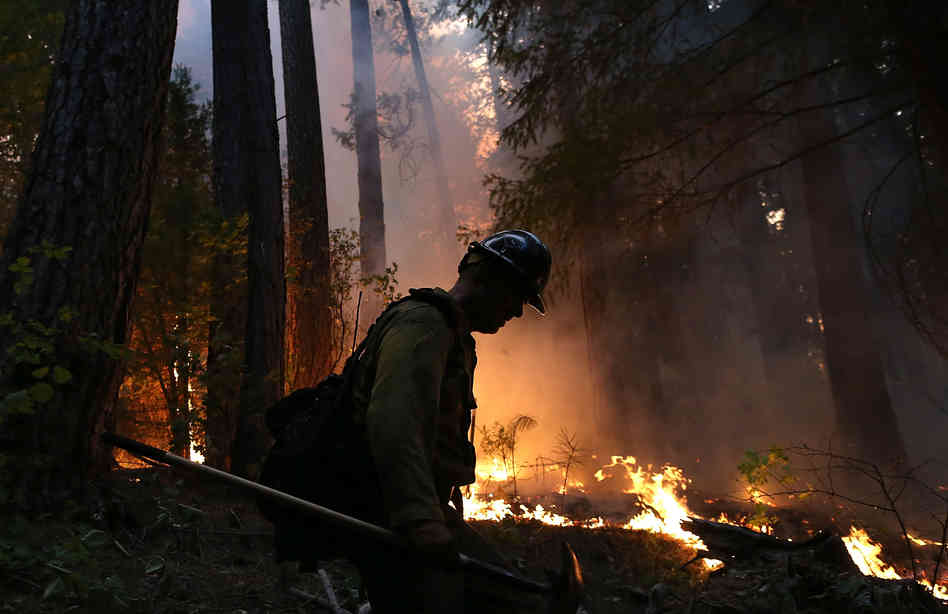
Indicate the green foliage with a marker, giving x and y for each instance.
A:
(171, 318)
(62, 559)
(344, 280)
(760, 470)
(35, 346)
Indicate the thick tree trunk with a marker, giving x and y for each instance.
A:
(310, 321)
(371, 209)
(90, 190)
(865, 421)
(619, 303)
(266, 285)
(446, 220)
(229, 23)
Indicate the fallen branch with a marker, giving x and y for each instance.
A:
(730, 540)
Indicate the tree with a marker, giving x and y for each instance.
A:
(225, 353)
(71, 261)
(447, 224)
(865, 420)
(365, 122)
(309, 346)
(568, 453)
(169, 321)
(266, 285)
(500, 440)
(246, 182)
(666, 101)
(30, 41)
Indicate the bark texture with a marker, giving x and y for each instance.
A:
(229, 294)
(310, 319)
(371, 208)
(266, 285)
(93, 173)
(245, 360)
(446, 220)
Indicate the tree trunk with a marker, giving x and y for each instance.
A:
(371, 209)
(266, 285)
(229, 24)
(776, 259)
(865, 421)
(447, 222)
(310, 322)
(90, 190)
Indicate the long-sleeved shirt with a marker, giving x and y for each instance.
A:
(413, 392)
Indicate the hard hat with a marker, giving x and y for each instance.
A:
(526, 254)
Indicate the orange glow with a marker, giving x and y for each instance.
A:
(664, 509)
(865, 553)
(495, 473)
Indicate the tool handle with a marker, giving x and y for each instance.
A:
(135, 447)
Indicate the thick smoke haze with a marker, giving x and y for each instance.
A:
(725, 388)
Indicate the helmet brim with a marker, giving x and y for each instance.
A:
(536, 301)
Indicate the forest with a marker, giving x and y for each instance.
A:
(736, 402)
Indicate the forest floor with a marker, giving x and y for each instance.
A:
(156, 542)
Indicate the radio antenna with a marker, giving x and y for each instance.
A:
(355, 329)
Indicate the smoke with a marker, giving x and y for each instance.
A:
(693, 375)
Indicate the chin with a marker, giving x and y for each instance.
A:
(489, 330)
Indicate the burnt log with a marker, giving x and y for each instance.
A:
(731, 541)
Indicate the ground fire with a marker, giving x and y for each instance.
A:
(661, 495)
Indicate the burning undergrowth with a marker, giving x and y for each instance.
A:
(161, 542)
(788, 510)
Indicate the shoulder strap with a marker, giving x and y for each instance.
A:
(426, 295)
(352, 362)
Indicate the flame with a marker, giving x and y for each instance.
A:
(573, 485)
(497, 472)
(664, 509)
(756, 496)
(865, 553)
(661, 495)
(921, 541)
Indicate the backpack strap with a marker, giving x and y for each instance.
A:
(427, 295)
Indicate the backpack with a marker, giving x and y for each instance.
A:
(321, 455)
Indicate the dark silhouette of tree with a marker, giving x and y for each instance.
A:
(447, 223)
(309, 344)
(676, 107)
(229, 24)
(266, 285)
(365, 124)
(71, 261)
(865, 421)
(246, 181)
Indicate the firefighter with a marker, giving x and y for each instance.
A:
(413, 396)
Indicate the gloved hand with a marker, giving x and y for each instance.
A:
(433, 540)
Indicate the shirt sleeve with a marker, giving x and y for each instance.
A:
(402, 415)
